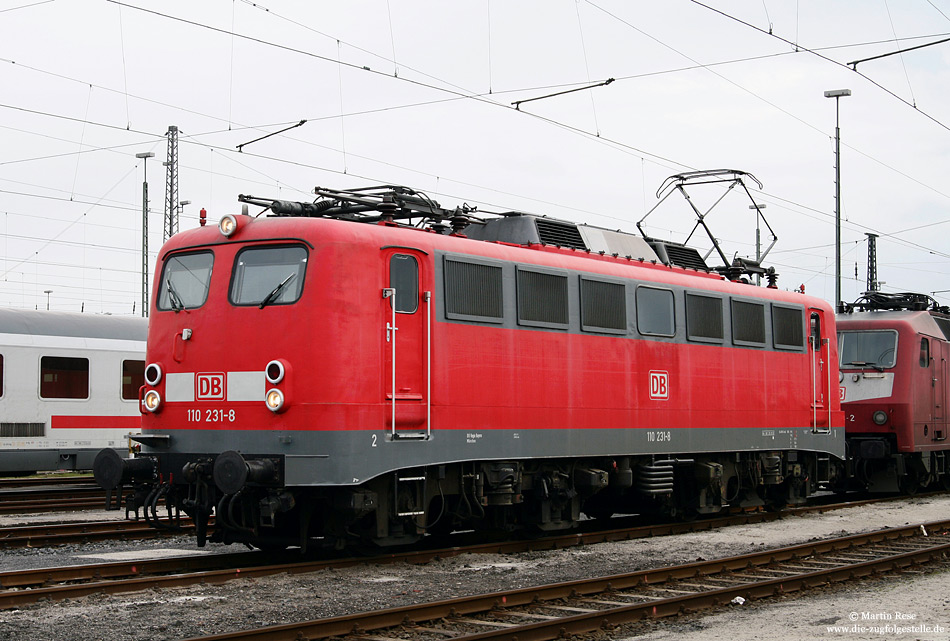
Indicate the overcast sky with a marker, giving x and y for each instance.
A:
(420, 93)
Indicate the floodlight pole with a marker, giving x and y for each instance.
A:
(145, 155)
(836, 94)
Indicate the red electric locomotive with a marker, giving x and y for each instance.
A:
(894, 390)
(371, 366)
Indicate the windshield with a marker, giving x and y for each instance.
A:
(185, 280)
(876, 349)
(268, 275)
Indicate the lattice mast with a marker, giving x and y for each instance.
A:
(873, 284)
(171, 184)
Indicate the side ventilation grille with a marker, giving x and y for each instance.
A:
(944, 325)
(557, 233)
(679, 255)
(22, 430)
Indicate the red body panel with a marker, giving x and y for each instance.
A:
(483, 377)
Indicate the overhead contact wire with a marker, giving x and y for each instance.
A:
(815, 52)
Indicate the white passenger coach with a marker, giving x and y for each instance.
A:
(69, 386)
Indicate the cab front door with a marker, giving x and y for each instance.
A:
(819, 348)
(407, 302)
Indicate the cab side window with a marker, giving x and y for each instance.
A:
(404, 278)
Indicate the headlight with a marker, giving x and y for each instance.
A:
(153, 374)
(228, 225)
(152, 401)
(879, 417)
(274, 400)
(274, 372)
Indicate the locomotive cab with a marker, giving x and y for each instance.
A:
(894, 388)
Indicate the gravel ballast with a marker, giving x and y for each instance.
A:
(209, 609)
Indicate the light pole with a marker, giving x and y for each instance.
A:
(836, 94)
(145, 155)
(47, 292)
(181, 207)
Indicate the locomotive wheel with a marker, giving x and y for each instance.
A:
(270, 547)
(908, 484)
(442, 523)
(600, 514)
(687, 514)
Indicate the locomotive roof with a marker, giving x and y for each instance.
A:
(408, 207)
(341, 232)
(923, 322)
(45, 323)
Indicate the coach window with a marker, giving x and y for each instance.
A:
(1, 375)
(404, 278)
(269, 275)
(473, 291)
(788, 328)
(655, 312)
(924, 352)
(603, 306)
(704, 318)
(133, 377)
(542, 299)
(64, 377)
(748, 323)
(185, 281)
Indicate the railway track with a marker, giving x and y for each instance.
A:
(46, 534)
(60, 498)
(46, 481)
(23, 587)
(52, 534)
(601, 604)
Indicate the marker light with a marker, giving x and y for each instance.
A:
(274, 372)
(274, 400)
(153, 374)
(879, 417)
(152, 401)
(228, 225)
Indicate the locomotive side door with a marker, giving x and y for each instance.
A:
(938, 386)
(819, 350)
(407, 303)
(943, 388)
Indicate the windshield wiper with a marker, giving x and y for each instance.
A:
(864, 364)
(276, 291)
(173, 297)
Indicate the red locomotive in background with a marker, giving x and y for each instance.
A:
(373, 367)
(894, 391)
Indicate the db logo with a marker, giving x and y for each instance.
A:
(841, 393)
(659, 385)
(210, 387)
